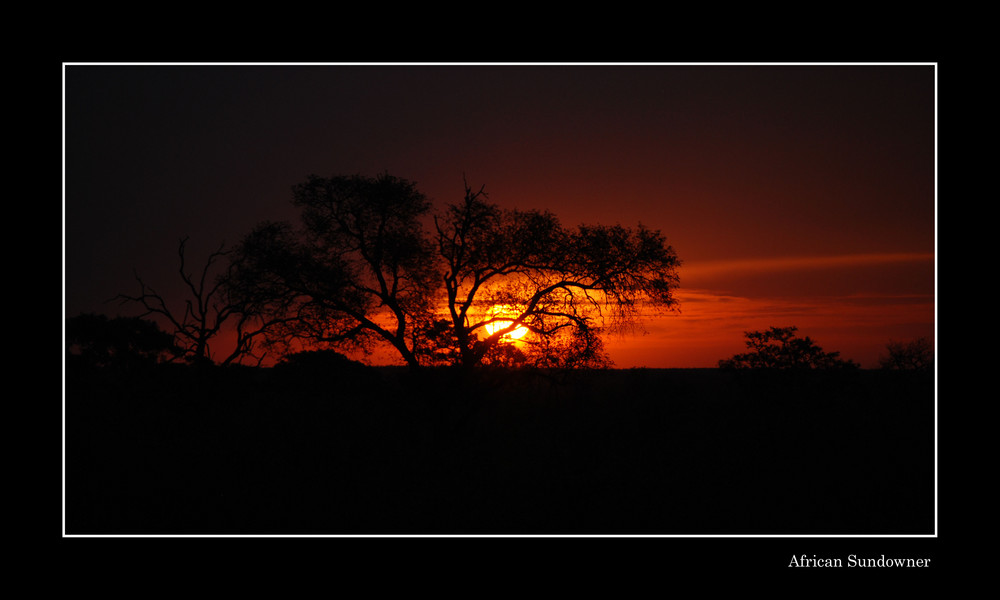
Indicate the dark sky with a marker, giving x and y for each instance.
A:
(795, 195)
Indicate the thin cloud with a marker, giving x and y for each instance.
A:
(709, 305)
(761, 265)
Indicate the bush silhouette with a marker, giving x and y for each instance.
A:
(915, 355)
(99, 341)
(778, 348)
(317, 361)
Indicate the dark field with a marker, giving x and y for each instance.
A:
(385, 451)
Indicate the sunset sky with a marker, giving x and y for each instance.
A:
(797, 194)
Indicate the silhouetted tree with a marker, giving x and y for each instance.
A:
(510, 269)
(361, 270)
(914, 355)
(358, 271)
(96, 340)
(778, 348)
(207, 310)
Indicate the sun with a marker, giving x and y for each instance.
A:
(507, 314)
(517, 334)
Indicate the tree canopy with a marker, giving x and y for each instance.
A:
(507, 269)
(371, 263)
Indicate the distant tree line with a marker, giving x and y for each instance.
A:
(100, 341)
(780, 348)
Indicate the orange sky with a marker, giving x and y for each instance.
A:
(857, 324)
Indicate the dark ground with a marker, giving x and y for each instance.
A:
(384, 451)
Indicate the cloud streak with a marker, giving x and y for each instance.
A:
(798, 263)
